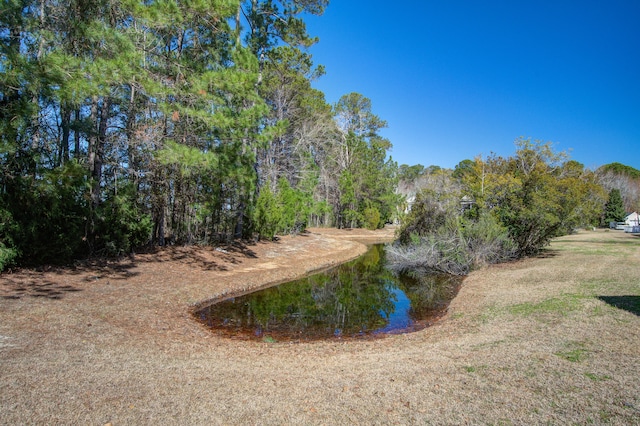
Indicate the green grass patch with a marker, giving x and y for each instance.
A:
(474, 368)
(605, 416)
(544, 311)
(575, 352)
(596, 377)
(575, 355)
(556, 305)
(457, 315)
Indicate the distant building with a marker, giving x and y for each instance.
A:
(631, 223)
(632, 219)
(467, 202)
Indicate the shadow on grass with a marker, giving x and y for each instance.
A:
(547, 253)
(208, 258)
(34, 282)
(628, 303)
(18, 288)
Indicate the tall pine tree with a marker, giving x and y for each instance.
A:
(614, 208)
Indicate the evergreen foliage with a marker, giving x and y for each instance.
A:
(614, 209)
(536, 194)
(132, 123)
(284, 212)
(123, 227)
(621, 169)
(8, 250)
(429, 213)
(49, 215)
(294, 208)
(267, 213)
(371, 217)
(367, 179)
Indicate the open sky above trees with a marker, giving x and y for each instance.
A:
(457, 79)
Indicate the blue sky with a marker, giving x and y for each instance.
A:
(457, 79)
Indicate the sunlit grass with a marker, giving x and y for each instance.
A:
(561, 305)
(597, 246)
(593, 250)
(542, 311)
(622, 284)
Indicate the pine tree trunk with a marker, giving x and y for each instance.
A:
(63, 149)
(76, 136)
(97, 154)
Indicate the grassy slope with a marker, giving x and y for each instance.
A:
(562, 331)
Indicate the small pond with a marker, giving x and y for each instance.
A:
(358, 299)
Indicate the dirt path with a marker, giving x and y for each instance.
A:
(534, 342)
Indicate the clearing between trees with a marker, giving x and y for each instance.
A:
(552, 339)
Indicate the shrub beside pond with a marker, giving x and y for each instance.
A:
(456, 247)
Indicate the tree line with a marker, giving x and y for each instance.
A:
(490, 210)
(126, 122)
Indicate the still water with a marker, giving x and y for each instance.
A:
(358, 299)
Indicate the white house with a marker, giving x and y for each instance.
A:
(632, 223)
(632, 219)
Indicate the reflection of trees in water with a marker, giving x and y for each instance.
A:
(357, 299)
(349, 300)
(429, 292)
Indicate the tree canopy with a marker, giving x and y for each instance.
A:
(125, 123)
(487, 210)
(621, 169)
(614, 209)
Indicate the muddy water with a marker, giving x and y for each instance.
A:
(359, 299)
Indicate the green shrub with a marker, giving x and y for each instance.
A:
(8, 256)
(294, 208)
(49, 216)
(456, 247)
(371, 218)
(122, 226)
(487, 241)
(8, 252)
(267, 213)
(428, 213)
(283, 212)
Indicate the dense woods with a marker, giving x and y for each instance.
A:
(125, 123)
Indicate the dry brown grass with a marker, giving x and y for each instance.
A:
(539, 341)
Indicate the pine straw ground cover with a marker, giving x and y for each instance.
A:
(549, 340)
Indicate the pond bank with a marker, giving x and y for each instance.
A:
(529, 342)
